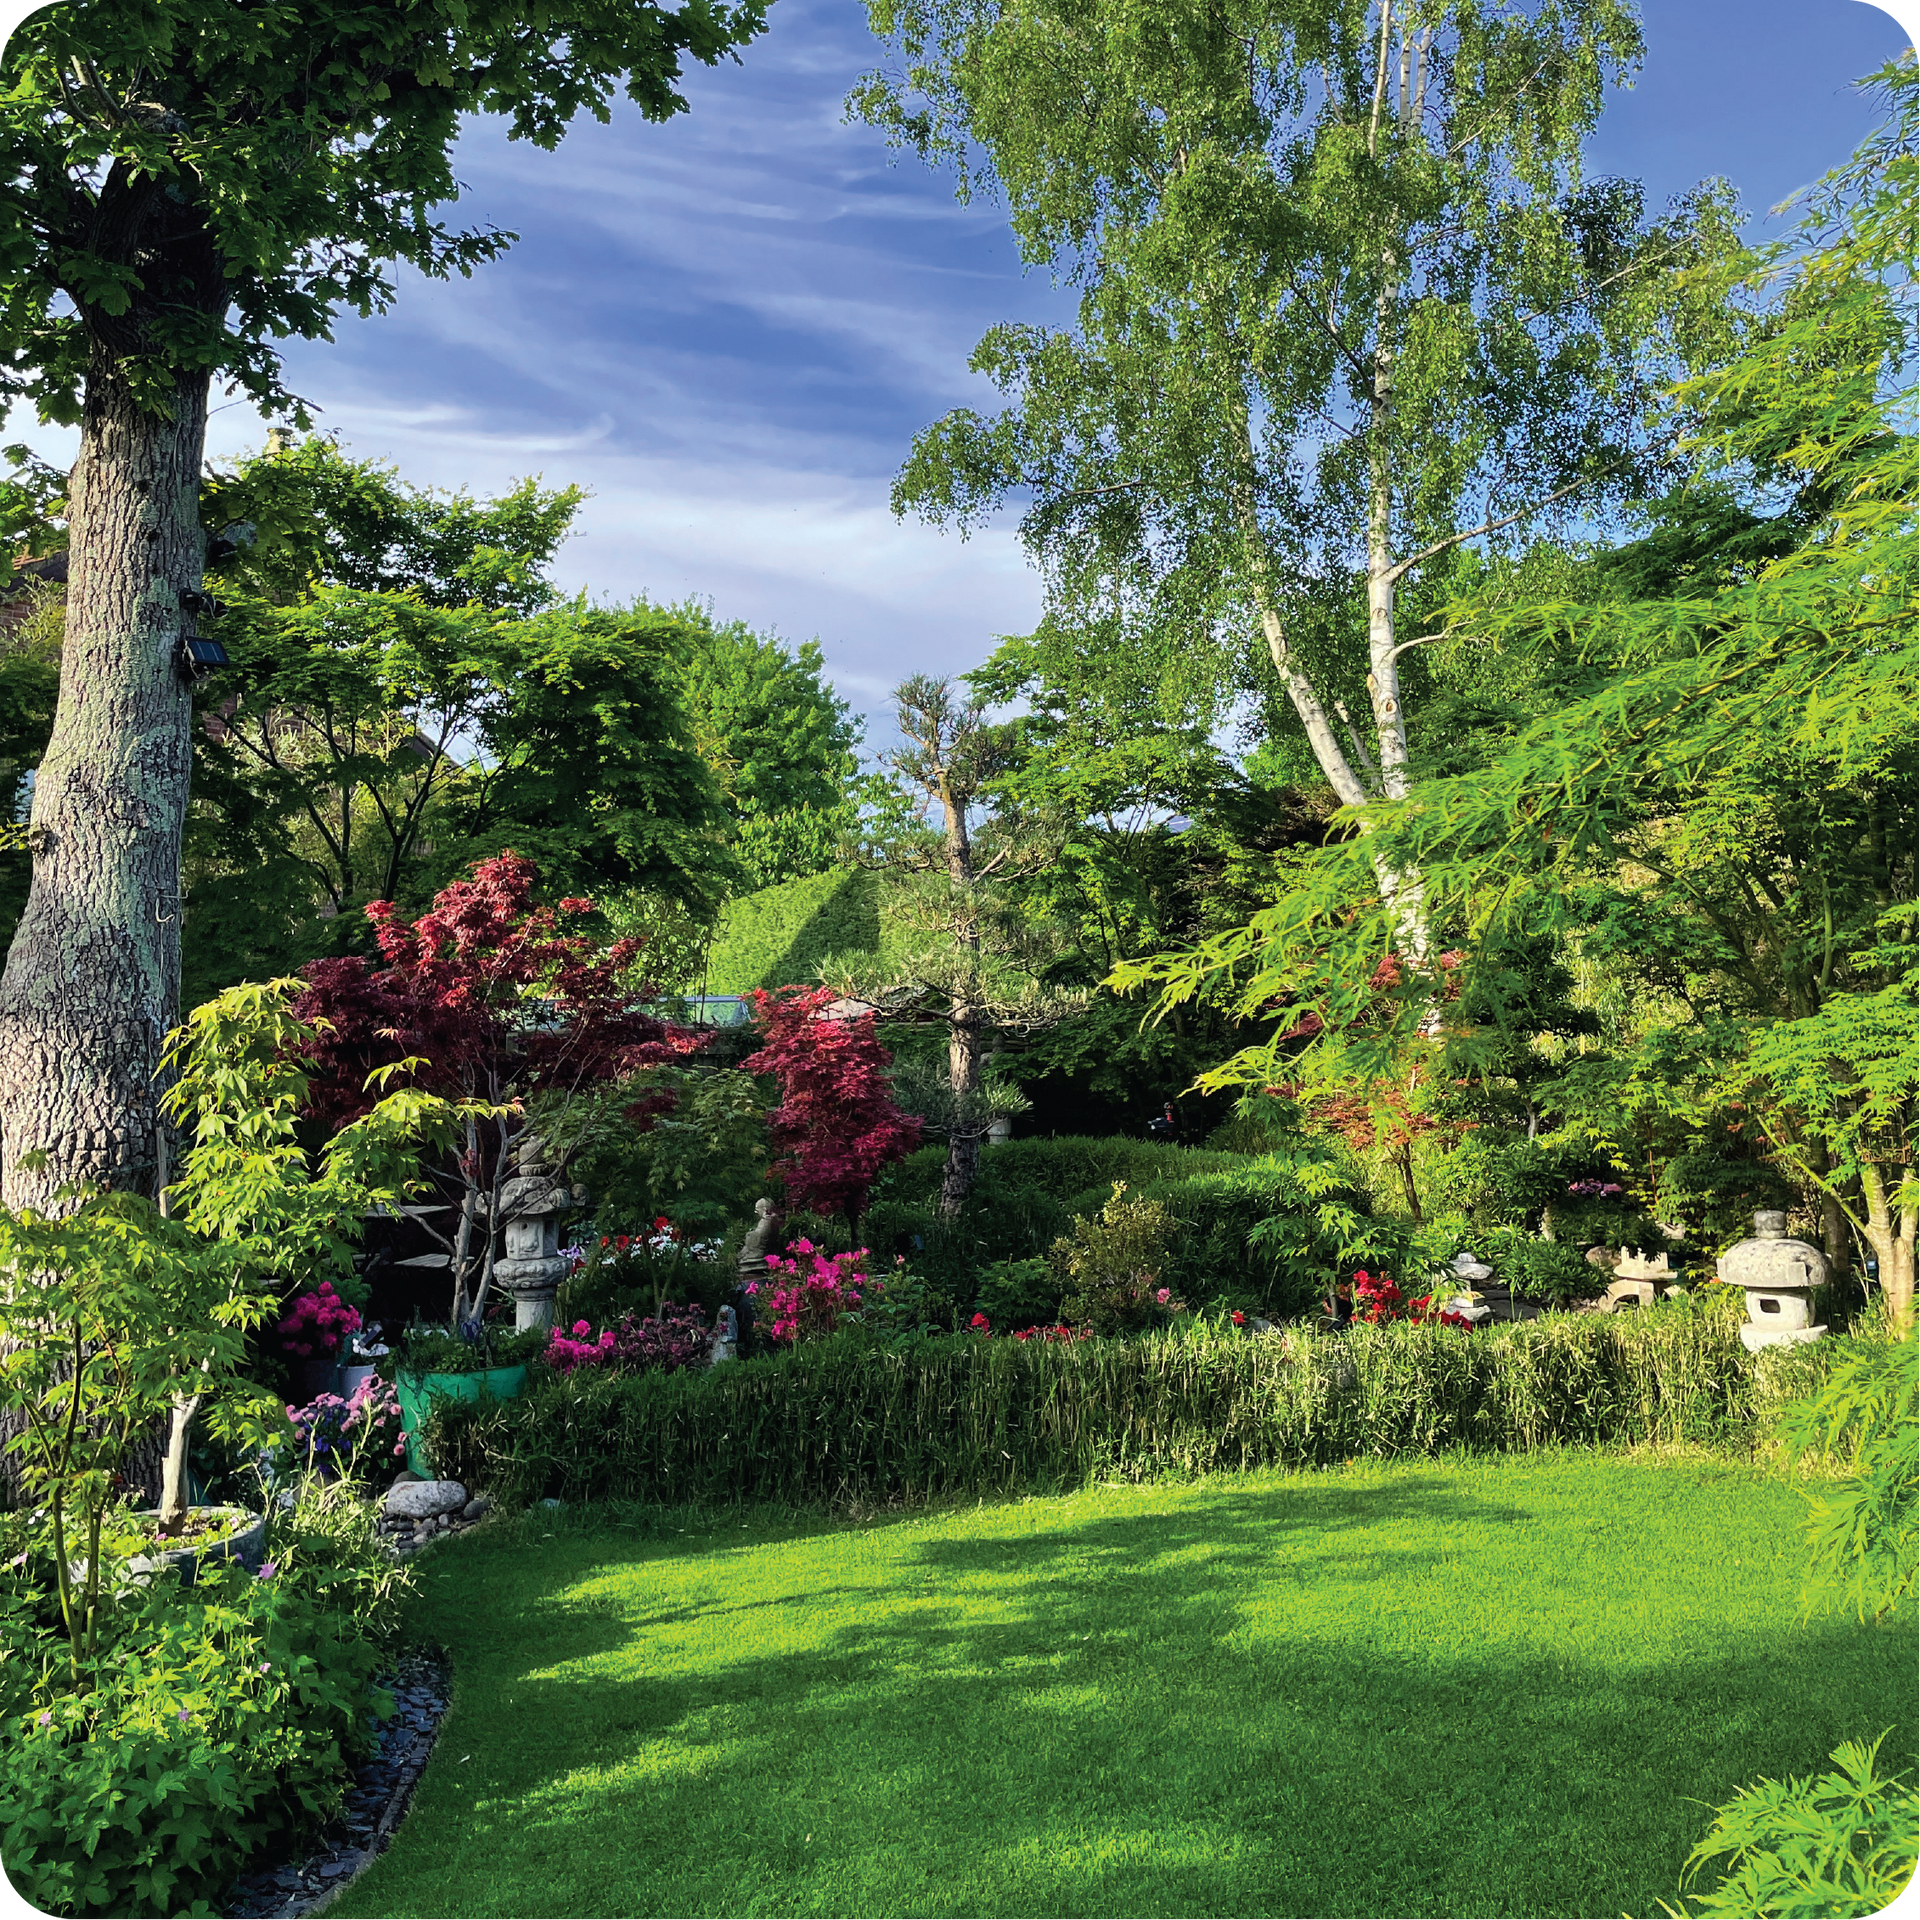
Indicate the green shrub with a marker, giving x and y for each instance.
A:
(1500, 1179)
(1020, 1293)
(845, 1421)
(1840, 1844)
(905, 1305)
(1111, 1266)
(1555, 1271)
(1270, 1233)
(214, 1718)
(1863, 1536)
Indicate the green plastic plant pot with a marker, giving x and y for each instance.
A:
(416, 1391)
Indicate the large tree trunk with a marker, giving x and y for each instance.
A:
(92, 982)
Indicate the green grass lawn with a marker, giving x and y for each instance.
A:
(1494, 1687)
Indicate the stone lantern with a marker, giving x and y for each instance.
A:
(1779, 1275)
(531, 1204)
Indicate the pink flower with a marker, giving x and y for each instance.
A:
(1164, 1295)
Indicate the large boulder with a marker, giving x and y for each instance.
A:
(426, 1499)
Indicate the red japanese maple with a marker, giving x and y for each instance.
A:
(491, 991)
(836, 1125)
(499, 1003)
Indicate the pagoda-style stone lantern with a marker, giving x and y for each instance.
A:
(1779, 1275)
(531, 1205)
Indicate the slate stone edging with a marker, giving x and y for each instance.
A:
(421, 1686)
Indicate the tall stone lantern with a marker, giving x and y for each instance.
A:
(531, 1204)
(1779, 1275)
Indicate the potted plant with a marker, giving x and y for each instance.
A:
(470, 1361)
(312, 1331)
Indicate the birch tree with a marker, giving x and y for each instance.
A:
(1346, 304)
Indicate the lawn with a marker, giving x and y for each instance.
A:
(1497, 1686)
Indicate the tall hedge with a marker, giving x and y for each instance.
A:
(782, 936)
(843, 1421)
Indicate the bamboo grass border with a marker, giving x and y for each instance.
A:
(845, 1423)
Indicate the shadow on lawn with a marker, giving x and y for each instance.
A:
(1110, 1737)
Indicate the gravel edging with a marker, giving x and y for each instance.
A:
(421, 1685)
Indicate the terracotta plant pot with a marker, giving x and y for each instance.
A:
(416, 1391)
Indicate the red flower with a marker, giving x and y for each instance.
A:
(980, 1324)
(1239, 1318)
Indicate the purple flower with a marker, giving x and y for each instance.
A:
(46, 1719)
(186, 1719)
(269, 1570)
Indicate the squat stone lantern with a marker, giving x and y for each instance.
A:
(531, 1204)
(1779, 1276)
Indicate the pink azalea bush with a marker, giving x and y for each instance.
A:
(317, 1322)
(675, 1338)
(806, 1295)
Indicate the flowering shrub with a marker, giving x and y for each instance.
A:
(1376, 1299)
(317, 1321)
(808, 1302)
(338, 1438)
(578, 1348)
(674, 1338)
(1062, 1332)
(1595, 1189)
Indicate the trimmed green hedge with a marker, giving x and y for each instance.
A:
(845, 1421)
(782, 936)
(1070, 1169)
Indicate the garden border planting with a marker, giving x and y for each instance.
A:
(842, 1421)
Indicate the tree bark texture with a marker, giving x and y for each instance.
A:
(92, 981)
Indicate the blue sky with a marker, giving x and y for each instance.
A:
(729, 328)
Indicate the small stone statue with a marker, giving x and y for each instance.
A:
(725, 1344)
(761, 1240)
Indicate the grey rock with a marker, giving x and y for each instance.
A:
(422, 1499)
(406, 1477)
(477, 1508)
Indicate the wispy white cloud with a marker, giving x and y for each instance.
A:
(729, 327)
